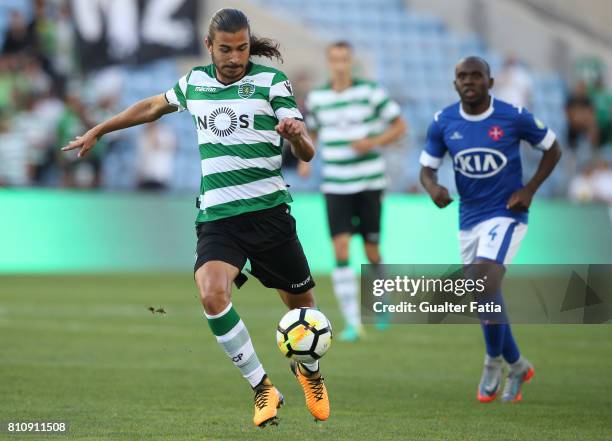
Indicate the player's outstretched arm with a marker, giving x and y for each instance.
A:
(295, 131)
(147, 110)
(438, 193)
(521, 199)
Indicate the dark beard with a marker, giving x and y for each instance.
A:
(227, 78)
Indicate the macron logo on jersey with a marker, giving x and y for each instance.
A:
(480, 162)
(205, 89)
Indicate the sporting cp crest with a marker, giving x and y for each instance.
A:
(246, 90)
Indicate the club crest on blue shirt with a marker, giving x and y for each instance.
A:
(496, 133)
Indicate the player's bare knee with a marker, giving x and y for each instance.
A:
(214, 300)
(214, 294)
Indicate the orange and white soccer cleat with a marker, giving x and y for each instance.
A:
(315, 391)
(267, 400)
(512, 390)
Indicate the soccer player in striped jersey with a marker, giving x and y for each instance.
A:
(483, 135)
(240, 111)
(352, 119)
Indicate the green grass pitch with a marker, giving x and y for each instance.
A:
(87, 350)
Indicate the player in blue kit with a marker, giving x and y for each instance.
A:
(483, 135)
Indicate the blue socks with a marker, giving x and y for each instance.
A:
(494, 338)
(510, 351)
(498, 335)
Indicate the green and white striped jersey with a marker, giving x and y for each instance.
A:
(339, 118)
(239, 148)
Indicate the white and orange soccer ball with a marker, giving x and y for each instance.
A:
(304, 334)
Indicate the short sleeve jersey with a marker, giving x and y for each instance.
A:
(239, 148)
(339, 118)
(485, 150)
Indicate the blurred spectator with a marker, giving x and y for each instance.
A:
(47, 111)
(7, 86)
(602, 101)
(594, 184)
(107, 106)
(20, 78)
(581, 121)
(74, 172)
(588, 70)
(37, 80)
(119, 152)
(19, 36)
(514, 83)
(13, 154)
(49, 39)
(43, 30)
(156, 152)
(65, 57)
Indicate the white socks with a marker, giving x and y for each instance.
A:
(346, 289)
(232, 335)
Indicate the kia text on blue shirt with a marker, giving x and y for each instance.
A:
(485, 150)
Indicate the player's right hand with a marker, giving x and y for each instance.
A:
(440, 196)
(85, 143)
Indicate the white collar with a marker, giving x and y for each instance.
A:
(487, 113)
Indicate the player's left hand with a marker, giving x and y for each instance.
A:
(520, 200)
(364, 145)
(291, 129)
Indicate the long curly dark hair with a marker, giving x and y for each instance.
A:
(234, 20)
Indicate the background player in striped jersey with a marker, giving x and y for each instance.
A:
(240, 110)
(351, 118)
(482, 135)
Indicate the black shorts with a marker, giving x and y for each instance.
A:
(355, 213)
(267, 238)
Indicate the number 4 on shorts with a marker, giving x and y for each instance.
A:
(493, 233)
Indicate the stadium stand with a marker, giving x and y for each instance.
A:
(410, 52)
(414, 55)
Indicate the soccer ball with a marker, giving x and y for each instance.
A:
(304, 334)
